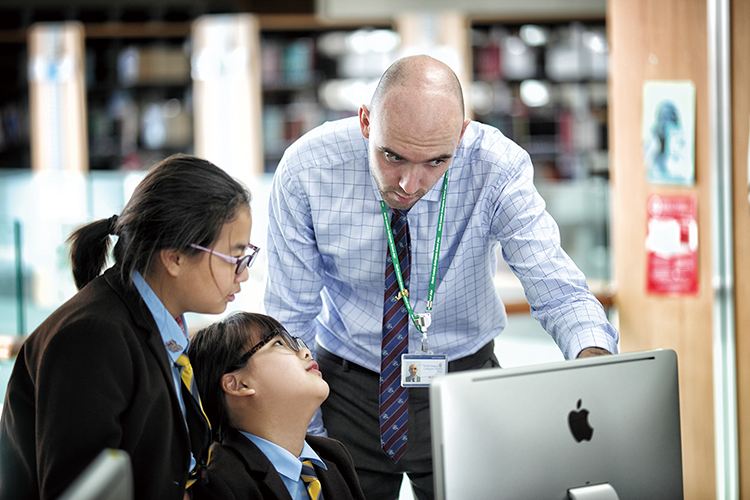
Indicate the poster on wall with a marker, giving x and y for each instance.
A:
(668, 132)
(672, 245)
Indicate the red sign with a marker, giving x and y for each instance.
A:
(672, 245)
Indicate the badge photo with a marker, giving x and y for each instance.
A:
(418, 370)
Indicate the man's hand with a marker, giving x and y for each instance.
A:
(592, 351)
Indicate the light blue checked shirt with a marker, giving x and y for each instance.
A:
(327, 250)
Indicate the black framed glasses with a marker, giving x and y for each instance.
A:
(242, 262)
(293, 343)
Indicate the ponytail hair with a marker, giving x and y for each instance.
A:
(182, 200)
(89, 248)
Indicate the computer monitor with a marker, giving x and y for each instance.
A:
(108, 477)
(603, 427)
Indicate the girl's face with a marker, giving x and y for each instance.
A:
(284, 379)
(208, 282)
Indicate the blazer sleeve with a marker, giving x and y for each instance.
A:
(80, 382)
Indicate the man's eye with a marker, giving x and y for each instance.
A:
(392, 158)
(437, 163)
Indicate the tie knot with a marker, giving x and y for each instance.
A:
(308, 472)
(186, 373)
(311, 480)
(183, 360)
(399, 224)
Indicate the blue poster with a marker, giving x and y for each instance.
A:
(668, 132)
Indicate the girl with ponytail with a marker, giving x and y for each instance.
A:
(105, 370)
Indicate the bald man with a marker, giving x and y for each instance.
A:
(413, 150)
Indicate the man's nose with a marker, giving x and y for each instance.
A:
(409, 182)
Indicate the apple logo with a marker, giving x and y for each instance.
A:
(579, 424)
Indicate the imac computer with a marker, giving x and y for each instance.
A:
(108, 477)
(606, 427)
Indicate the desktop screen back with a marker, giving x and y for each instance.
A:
(108, 477)
(506, 433)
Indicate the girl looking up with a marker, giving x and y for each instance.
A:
(261, 388)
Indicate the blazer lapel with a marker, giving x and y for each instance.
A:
(331, 480)
(144, 320)
(257, 464)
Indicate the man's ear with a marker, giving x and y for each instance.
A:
(463, 129)
(234, 385)
(364, 121)
(172, 260)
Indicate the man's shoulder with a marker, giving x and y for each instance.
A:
(486, 145)
(481, 137)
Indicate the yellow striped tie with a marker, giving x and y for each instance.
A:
(311, 481)
(187, 379)
(186, 374)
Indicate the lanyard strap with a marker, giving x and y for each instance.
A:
(435, 257)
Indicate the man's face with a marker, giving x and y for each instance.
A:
(413, 370)
(409, 154)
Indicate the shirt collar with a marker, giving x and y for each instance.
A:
(282, 460)
(174, 338)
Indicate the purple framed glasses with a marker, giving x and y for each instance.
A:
(242, 262)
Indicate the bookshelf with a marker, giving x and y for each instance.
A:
(544, 85)
(15, 149)
(305, 66)
(139, 93)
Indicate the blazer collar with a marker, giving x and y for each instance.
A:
(256, 462)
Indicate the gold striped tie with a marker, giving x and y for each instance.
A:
(187, 379)
(311, 481)
(186, 374)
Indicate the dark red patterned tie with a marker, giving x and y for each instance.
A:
(395, 342)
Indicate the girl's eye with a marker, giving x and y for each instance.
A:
(278, 342)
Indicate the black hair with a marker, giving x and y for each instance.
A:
(182, 200)
(219, 349)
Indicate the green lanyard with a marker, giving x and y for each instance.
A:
(420, 321)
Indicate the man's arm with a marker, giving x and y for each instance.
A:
(593, 351)
(292, 293)
(554, 286)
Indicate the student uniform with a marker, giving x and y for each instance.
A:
(94, 375)
(239, 470)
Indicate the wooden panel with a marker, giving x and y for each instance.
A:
(57, 97)
(227, 93)
(663, 40)
(522, 10)
(740, 49)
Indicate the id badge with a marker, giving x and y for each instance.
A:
(418, 370)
